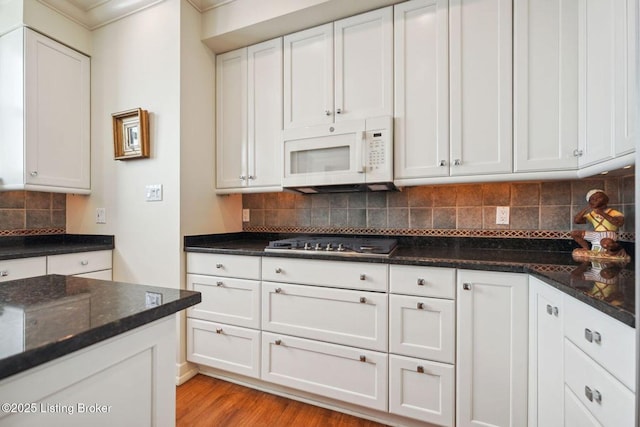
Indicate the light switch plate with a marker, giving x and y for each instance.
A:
(101, 216)
(153, 193)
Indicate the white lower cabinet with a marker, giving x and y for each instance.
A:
(491, 362)
(422, 389)
(575, 413)
(13, 269)
(224, 347)
(344, 373)
(82, 263)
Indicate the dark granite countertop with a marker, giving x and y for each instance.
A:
(32, 246)
(548, 260)
(46, 317)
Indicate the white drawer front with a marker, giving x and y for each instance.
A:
(78, 263)
(226, 300)
(434, 282)
(100, 275)
(421, 389)
(575, 413)
(343, 373)
(244, 267)
(354, 318)
(335, 274)
(21, 268)
(610, 402)
(224, 347)
(422, 327)
(607, 341)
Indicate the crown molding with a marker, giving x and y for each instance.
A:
(93, 14)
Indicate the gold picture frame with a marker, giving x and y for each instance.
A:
(131, 134)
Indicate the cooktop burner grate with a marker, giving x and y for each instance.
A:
(335, 245)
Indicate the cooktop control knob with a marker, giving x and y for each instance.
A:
(329, 247)
(307, 246)
(318, 247)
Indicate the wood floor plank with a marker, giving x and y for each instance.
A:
(204, 402)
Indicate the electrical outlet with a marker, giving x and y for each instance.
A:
(101, 216)
(502, 215)
(246, 215)
(153, 193)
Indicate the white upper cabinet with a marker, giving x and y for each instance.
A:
(546, 85)
(44, 115)
(480, 33)
(249, 118)
(421, 85)
(606, 79)
(339, 71)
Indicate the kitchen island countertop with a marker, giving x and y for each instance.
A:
(554, 264)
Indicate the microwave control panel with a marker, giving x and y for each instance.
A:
(378, 154)
(376, 151)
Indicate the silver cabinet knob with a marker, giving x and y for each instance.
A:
(555, 311)
(549, 309)
(420, 305)
(588, 393)
(278, 270)
(421, 282)
(84, 262)
(242, 177)
(218, 265)
(443, 163)
(466, 286)
(457, 162)
(420, 369)
(278, 342)
(327, 112)
(4, 273)
(218, 330)
(278, 290)
(338, 110)
(363, 300)
(577, 153)
(252, 177)
(597, 338)
(219, 283)
(597, 397)
(363, 358)
(34, 173)
(363, 277)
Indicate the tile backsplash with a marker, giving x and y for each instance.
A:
(32, 212)
(541, 207)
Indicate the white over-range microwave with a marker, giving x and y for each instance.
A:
(345, 156)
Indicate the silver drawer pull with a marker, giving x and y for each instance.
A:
(597, 397)
(466, 286)
(555, 311)
(4, 273)
(588, 335)
(84, 262)
(597, 338)
(363, 300)
(218, 265)
(420, 282)
(278, 342)
(549, 309)
(363, 358)
(589, 393)
(219, 283)
(420, 305)
(34, 173)
(278, 290)
(420, 369)
(363, 277)
(218, 330)
(278, 270)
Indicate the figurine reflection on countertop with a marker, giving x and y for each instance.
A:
(604, 276)
(606, 222)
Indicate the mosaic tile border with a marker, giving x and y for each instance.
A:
(507, 234)
(32, 232)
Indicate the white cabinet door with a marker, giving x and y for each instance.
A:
(481, 93)
(308, 77)
(421, 87)
(364, 65)
(546, 343)
(491, 381)
(231, 119)
(545, 85)
(344, 373)
(422, 389)
(57, 96)
(264, 136)
(342, 316)
(422, 327)
(607, 79)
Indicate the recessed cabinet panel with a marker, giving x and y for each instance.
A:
(344, 373)
(244, 267)
(437, 282)
(233, 301)
(342, 316)
(13, 269)
(422, 390)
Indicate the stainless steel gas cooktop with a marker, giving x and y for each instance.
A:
(335, 245)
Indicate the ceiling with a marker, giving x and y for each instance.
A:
(93, 14)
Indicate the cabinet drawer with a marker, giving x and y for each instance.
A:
(245, 267)
(575, 413)
(335, 274)
(607, 341)
(423, 281)
(21, 268)
(343, 373)
(422, 327)
(78, 263)
(610, 402)
(421, 389)
(100, 275)
(354, 318)
(226, 300)
(224, 347)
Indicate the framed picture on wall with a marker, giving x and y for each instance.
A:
(131, 134)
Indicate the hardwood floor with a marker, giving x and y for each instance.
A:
(205, 401)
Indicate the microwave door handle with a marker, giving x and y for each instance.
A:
(360, 152)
